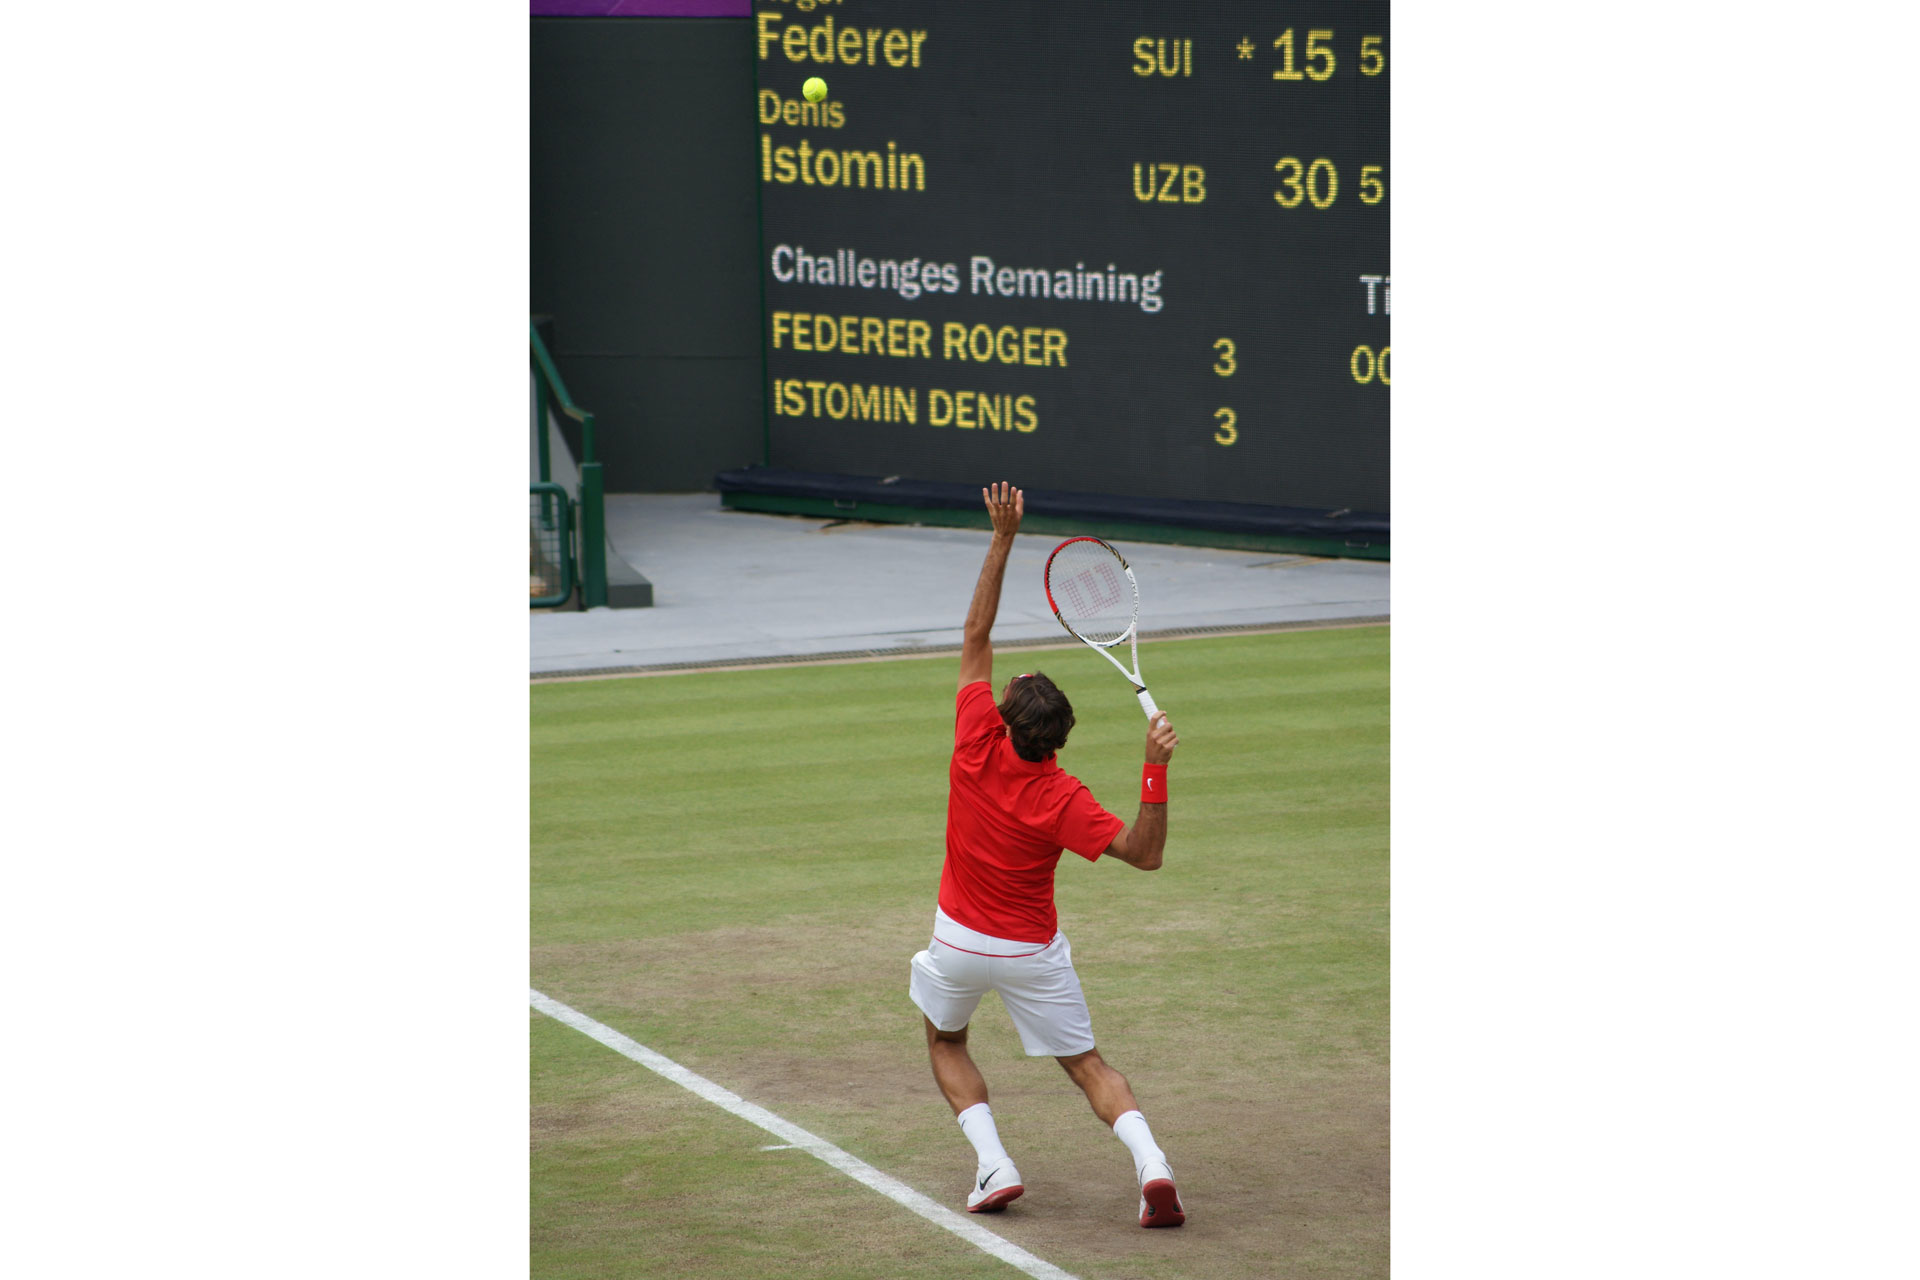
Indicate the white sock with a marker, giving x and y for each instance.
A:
(1131, 1129)
(977, 1123)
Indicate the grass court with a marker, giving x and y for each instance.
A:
(733, 868)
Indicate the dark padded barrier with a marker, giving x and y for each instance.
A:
(1358, 527)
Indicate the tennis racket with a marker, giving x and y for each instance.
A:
(1093, 593)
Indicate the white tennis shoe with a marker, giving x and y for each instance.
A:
(994, 1189)
(1159, 1202)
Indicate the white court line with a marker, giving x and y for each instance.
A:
(859, 1170)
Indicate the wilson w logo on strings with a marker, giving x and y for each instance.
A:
(1094, 590)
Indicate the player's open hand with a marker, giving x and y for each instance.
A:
(1161, 740)
(1005, 506)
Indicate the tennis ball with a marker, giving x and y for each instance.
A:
(814, 90)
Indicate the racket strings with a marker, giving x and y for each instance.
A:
(1090, 590)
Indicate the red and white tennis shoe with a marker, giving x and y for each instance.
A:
(995, 1188)
(1159, 1202)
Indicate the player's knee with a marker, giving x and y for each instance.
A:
(1086, 1065)
(936, 1037)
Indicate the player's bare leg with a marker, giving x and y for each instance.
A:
(1106, 1089)
(1112, 1100)
(996, 1181)
(953, 1068)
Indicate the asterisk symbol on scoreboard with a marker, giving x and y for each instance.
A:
(1245, 47)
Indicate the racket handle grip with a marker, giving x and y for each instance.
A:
(1146, 704)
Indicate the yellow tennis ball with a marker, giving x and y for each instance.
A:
(814, 90)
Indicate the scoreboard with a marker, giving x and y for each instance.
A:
(1084, 245)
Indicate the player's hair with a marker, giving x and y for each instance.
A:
(1038, 717)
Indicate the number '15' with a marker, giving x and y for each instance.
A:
(1317, 50)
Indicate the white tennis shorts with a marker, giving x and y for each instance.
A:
(1036, 983)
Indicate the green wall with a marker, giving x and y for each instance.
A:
(645, 240)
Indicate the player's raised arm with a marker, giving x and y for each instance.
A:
(1005, 506)
(1144, 844)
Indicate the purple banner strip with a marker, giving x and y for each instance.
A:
(641, 8)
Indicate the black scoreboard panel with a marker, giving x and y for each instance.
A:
(1117, 248)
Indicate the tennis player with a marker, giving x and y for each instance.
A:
(1011, 810)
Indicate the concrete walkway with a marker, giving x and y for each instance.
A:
(732, 586)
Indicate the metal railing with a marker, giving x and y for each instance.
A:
(550, 395)
(550, 538)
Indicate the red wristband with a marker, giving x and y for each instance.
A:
(1153, 784)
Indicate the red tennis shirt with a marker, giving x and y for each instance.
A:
(1007, 821)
